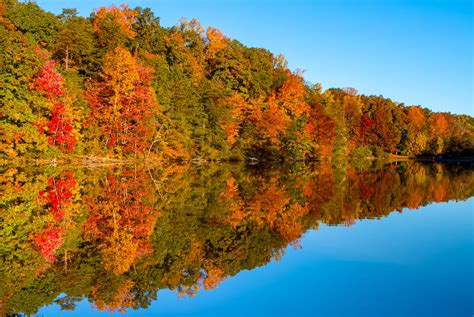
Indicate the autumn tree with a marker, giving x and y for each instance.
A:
(58, 197)
(20, 107)
(238, 110)
(59, 129)
(271, 122)
(121, 217)
(416, 133)
(49, 81)
(123, 104)
(439, 129)
(114, 25)
(120, 300)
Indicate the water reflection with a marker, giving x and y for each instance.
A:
(115, 236)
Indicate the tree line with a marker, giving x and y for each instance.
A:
(118, 84)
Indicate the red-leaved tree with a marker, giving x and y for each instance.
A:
(59, 128)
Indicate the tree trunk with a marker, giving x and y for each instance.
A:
(67, 57)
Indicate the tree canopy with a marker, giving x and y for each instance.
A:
(119, 84)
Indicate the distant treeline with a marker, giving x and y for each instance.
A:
(118, 84)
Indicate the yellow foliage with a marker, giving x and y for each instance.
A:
(121, 69)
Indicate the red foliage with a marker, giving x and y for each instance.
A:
(367, 189)
(60, 129)
(126, 198)
(59, 193)
(367, 124)
(48, 241)
(49, 81)
(41, 52)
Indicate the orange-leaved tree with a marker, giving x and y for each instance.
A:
(114, 25)
(122, 106)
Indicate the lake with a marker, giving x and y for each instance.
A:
(234, 240)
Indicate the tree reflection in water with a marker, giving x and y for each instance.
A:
(118, 235)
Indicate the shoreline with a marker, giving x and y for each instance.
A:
(93, 161)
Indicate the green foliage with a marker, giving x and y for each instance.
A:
(20, 108)
(36, 24)
(74, 43)
(361, 153)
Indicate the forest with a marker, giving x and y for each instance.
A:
(119, 235)
(118, 85)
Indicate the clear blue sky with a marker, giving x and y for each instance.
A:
(416, 52)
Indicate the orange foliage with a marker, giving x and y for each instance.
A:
(216, 41)
(290, 226)
(238, 107)
(321, 130)
(415, 198)
(439, 191)
(121, 301)
(233, 202)
(173, 278)
(291, 95)
(320, 189)
(124, 103)
(271, 120)
(121, 73)
(439, 125)
(183, 56)
(267, 204)
(270, 206)
(122, 219)
(214, 275)
(121, 16)
(416, 117)
(120, 251)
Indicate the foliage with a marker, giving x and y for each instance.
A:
(123, 105)
(119, 84)
(116, 236)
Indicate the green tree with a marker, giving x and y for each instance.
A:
(74, 43)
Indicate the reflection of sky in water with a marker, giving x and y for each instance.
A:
(418, 263)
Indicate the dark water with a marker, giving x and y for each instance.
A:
(230, 240)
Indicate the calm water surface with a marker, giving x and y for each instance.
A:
(229, 240)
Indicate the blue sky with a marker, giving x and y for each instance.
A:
(416, 52)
